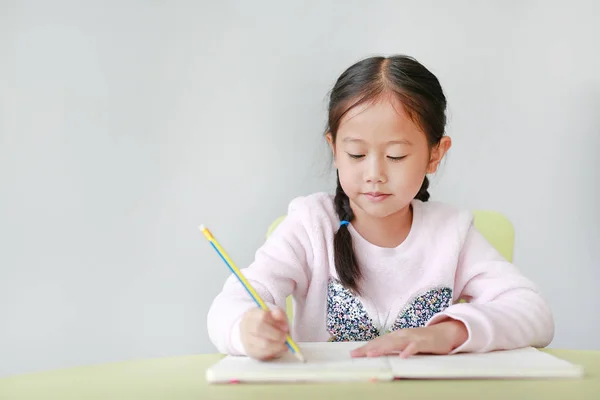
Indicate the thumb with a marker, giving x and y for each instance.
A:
(280, 317)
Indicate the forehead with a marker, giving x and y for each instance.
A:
(383, 120)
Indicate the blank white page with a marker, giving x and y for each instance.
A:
(520, 363)
(325, 361)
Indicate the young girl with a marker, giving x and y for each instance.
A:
(377, 262)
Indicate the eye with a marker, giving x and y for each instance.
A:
(396, 158)
(356, 156)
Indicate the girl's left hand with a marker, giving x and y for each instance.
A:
(440, 338)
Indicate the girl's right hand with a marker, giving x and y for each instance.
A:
(263, 333)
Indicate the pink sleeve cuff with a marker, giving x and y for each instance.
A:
(479, 332)
(236, 348)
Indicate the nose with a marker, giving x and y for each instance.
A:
(375, 171)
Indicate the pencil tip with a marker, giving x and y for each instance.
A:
(201, 227)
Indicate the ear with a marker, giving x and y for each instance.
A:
(329, 138)
(437, 153)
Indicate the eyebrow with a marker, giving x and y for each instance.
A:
(402, 141)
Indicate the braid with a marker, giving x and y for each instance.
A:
(346, 264)
(342, 203)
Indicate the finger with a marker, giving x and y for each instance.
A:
(384, 345)
(393, 344)
(410, 350)
(266, 327)
(277, 352)
(270, 346)
(366, 349)
(282, 349)
(262, 317)
(280, 319)
(267, 349)
(270, 331)
(360, 351)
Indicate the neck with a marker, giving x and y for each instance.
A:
(389, 231)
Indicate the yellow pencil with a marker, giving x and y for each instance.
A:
(235, 270)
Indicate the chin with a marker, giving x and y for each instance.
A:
(378, 210)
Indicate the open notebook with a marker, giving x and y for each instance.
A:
(329, 362)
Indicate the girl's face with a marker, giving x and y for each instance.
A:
(382, 157)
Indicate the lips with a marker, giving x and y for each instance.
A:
(376, 196)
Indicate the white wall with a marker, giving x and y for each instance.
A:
(126, 124)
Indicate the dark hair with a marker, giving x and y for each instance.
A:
(423, 99)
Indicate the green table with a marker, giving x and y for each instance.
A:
(183, 378)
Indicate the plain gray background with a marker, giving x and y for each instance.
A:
(126, 124)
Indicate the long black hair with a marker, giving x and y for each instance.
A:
(419, 91)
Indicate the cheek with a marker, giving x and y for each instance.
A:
(349, 175)
(410, 175)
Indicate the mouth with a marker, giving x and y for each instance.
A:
(376, 196)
